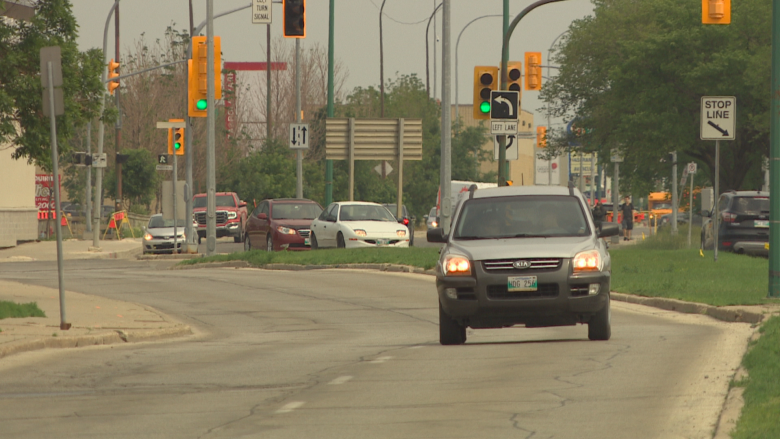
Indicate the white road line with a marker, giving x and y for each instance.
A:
(416, 347)
(341, 380)
(287, 408)
(380, 360)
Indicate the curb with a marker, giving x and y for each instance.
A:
(116, 336)
(723, 314)
(183, 256)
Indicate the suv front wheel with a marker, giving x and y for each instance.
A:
(599, 326)
(450, 331)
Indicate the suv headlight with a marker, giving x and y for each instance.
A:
(456, 265)
(587, 261)
(232, 215)
(285, 230)
(148, 236)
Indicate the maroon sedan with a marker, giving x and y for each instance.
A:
(281, 224)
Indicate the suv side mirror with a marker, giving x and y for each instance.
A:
(608, 229)
(436, 234)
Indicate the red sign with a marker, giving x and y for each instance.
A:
(44, 188)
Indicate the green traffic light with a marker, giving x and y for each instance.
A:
(201, 104)
(177, 145)
(484, 107)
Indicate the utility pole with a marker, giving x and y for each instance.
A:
(329, 163)
(774, 159)
(118, 126)
(211, 183)
(299, 153)
(446, 124)
(88, 194)
(191, 242)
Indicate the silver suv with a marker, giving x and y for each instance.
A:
(523, 255)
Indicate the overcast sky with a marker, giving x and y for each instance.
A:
(356, 34)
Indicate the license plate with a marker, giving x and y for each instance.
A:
(521, 283)
(306, 241)
(382, 242)
(761, 223)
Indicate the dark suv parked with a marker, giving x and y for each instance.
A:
(743, 223)
(527, 255)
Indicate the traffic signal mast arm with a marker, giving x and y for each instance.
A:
(127, 75)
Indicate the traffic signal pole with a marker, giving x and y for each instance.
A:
(211, 183)
(774, 160)
(508, 30)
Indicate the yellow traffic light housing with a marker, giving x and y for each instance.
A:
(112, 73)
(485, 81)
(514, 76)
(294, 18)
(176, 139)
(541, 137)
(716, 11)
(533, 70)
(197, 88)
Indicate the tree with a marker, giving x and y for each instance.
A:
(139, 180)
(635, 72)
(22, 123)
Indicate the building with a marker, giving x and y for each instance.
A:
(18, 212)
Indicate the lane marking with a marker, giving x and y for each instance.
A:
(341, 380)
(380, 360)
(287, 408)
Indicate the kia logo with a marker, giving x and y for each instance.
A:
(521, 264)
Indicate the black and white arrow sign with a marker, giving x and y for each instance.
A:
(299, 138)
(504, 105)
(718, 116)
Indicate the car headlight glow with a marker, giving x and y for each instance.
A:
(400, 233)
(360, 232)
(148, 236)
(232, 215)
(456, 265)
(434, 224)
(285, 230)
(587, 261)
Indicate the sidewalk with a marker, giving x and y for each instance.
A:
(95, 321)
(127, 248)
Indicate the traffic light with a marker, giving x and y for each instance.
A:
(176, 139)
(514, 71)
(533, 70)
(112, 73)
(716, 11)
(294, 18)
(541, 137)
(198, 76)
(485, 81)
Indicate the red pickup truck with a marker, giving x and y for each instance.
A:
(231, 215)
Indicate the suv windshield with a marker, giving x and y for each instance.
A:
(754, 205)
(365, 212)
(222, 201)
(521, 216)
(296, 210)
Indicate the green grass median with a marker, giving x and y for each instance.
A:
(19, 310)
(414, 256)
(664, 266)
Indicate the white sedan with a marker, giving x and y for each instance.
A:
(357, 224)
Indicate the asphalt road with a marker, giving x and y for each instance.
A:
(355, 354)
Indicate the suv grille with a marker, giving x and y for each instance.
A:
(200, 217)
(535, 264)
(500, 292)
